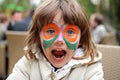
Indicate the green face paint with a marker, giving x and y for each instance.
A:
(69, 35)
(72, 46)
(47, 43)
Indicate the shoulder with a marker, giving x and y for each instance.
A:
(94, 71)
(19, 23)
(87, 72)
(21, 70)
(20, 26)
(23, 65)
(101, 27)
(23, 60)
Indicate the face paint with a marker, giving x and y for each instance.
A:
(72, 46)
(60, 37)
(71, 35)
(50, 33)
(47, 43)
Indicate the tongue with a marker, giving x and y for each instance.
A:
(58, 54)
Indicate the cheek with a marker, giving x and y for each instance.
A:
(48, 43)
(71, 45)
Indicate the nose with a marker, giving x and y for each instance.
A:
(60, 37)
(60, 40)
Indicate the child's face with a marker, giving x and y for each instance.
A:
(59, 42)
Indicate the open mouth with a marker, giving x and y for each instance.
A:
(59, 54)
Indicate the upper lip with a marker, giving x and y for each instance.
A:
(59, 49)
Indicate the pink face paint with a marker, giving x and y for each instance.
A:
(60, 37)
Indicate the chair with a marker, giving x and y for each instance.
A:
(111, 61)
(110, 39)
(15, 47)
(2, 60)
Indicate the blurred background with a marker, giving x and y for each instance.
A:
(7, 6)
(16, 15)
(108, 8)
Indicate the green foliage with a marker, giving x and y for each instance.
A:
(19, 5)
(88, 6)
(115, 13)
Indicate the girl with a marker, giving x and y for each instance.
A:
(59, 45)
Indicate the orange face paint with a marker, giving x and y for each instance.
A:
(71, 33)
(47, 31)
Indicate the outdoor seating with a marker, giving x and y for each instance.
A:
(2, 60)
(110, 61)
(16, 44)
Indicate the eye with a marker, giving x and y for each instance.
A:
(70, 32)
(50, 31)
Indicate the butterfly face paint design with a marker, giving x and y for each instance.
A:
(70, 34)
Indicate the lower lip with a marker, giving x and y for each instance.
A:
(59, 59)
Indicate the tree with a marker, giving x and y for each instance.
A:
(9, 5)
(88, 6)
(115, 13)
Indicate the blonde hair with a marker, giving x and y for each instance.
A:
(72, 14)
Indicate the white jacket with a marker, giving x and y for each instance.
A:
(42, 70)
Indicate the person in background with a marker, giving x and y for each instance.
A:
(98, 30)
(3, 26)
(15, 17)
(23, 25)
(59, 45)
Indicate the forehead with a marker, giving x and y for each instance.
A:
(58, 19)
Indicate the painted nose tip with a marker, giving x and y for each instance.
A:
(60, 38)
(58, 42)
